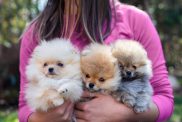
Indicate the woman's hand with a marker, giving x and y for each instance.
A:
(102, 108)
(62, 113)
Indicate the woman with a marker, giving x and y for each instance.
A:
(84, 21)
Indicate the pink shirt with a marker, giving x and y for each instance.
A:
(129, 23)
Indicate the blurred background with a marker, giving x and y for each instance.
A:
(15, 15)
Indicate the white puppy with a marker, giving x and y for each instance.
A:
(53, 75)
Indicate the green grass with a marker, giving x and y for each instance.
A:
(177, 115)
(11, 116)
(8, 116)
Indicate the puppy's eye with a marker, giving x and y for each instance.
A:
(87, 76)
(45, 64)
(101, 79)
(60, 64)
(134, 66)
(121, 66)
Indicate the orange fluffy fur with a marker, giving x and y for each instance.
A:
(99, 68)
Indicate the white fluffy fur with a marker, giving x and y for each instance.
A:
(67, 86)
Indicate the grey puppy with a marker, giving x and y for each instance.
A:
(135, 89)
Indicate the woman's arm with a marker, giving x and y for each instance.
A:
(25, 50)
(144, 32)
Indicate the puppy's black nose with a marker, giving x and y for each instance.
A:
(91, 85)
(51, 70)
(128, 73)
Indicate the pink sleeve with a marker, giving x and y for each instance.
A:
(145, 32)
(25, 51)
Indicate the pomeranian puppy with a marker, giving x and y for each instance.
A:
(100, 70)
(53, 75)
(136, 71)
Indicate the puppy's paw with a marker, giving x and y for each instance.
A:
(140, 109)
(62, 90)
(129, 103)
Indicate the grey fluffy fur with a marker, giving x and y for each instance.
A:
(135, 93)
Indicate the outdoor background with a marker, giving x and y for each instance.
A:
(15, 14)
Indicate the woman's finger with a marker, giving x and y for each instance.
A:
(69, 111)
(87, 94)
(62, 108)
(82, 106)
(80, 115)
(80, 120)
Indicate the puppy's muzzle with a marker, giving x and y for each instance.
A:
(91, 85)
(51, 71)
(128, 73)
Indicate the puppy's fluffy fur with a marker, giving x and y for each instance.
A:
(136, 70)
(53, 75)
(100, 71)
(126, 79)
